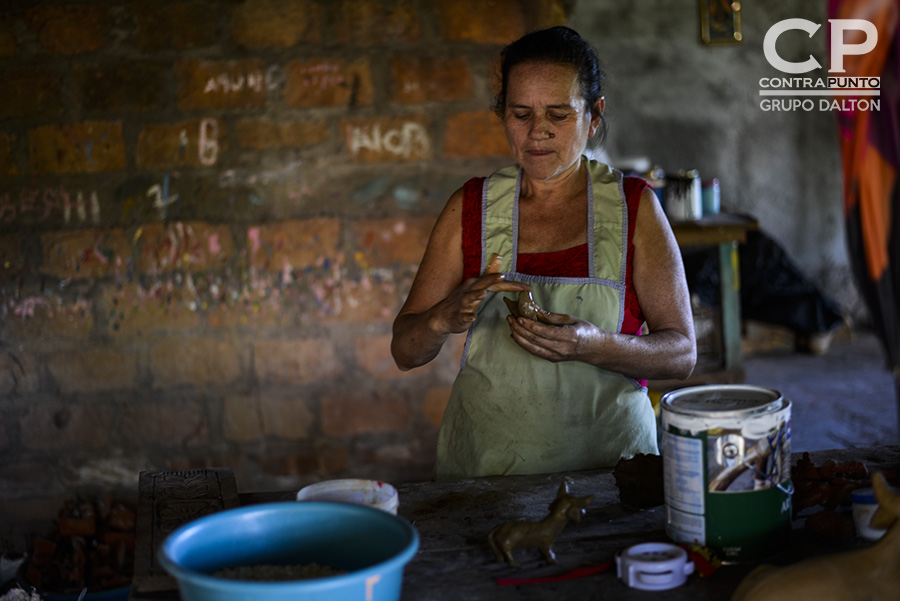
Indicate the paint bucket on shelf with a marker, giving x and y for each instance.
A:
(727, 461)
(684, 196)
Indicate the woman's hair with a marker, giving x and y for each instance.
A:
(562, 45)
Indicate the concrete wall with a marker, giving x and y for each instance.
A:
(683, 104)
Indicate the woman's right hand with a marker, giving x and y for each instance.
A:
(456, 313)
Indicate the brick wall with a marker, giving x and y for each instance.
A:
(210, 212)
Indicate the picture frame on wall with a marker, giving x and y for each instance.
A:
(720, 21)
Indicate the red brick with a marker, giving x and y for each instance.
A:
(8, 164)
(364, 411)
(173, 423)
(193, 143)
(276, 23)
(434, 403)
(368, 300)
(286, 416)
(19, 373)
(84, 425)
(475, 134)
(241, 421)
(174, 25)
(441, 369)
(496, 22)
(69, 29)
(418, 79)
(7, 35)
(35, 92)
(370, 23)
(49, 204)
(332, 458)
(289, 464)
(178, 362)
(192, 246)
(540, 14)
(328, 82)
(93, 370)
(389, 242)
(120, 86)
(295, 361)
(206, 84)
(131, 310)
(88, 147)
(387, 140)
(85, 254)
(373, 354)
(12, 261)
(294, 244)
(260, 134)
(45, 319)
(259, 303)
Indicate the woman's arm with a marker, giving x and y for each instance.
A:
(669, 350)
(440, 303)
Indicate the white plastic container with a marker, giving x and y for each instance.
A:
(372, 493)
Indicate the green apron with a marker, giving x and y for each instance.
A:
(513, 413)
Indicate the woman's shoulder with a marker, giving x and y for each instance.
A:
(634, 186)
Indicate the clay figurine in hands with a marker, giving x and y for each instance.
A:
(529, 535)
(524, 306)
(871, 573)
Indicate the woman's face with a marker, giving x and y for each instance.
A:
(547, 120)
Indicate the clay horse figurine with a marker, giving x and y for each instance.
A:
(871, 573)
(529, 535)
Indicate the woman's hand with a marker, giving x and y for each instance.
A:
(566, 340)
(456, 313)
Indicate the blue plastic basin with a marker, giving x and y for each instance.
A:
(372, 546)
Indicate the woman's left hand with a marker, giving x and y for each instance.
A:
(566, 341)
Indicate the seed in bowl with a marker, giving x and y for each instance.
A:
(278, 573)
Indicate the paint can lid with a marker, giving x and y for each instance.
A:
(653, 566)
(723, 400)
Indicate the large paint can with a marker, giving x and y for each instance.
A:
(727, 461)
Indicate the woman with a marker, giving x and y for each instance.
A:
(590, 245)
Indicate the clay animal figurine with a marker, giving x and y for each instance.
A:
(529, 535)
(524, 306)
(871, 573)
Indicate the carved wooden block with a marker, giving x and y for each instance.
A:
(167, 500)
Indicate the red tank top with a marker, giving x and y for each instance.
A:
(571, 262)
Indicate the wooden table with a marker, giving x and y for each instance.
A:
(726, 231)
(455, 561)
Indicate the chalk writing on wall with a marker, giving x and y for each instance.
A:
(162, 199)
(230, 178)
(408, 140)
(232, 83)
(256, 80)
(39, 204)
(322, 76)
(208, 145)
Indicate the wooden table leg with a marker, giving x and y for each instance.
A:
(730, 295)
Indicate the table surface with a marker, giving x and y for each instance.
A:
(455, 561)
(714, 229)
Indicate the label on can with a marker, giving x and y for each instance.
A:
(726, 457)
